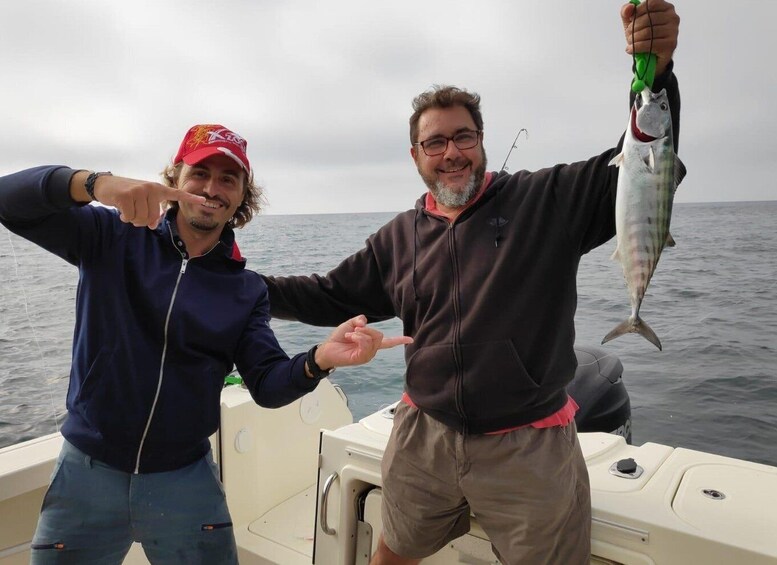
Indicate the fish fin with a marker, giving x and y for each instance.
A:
(670, 240)
(651, 160)
(679, 171)
(617, 160)
(634, 326)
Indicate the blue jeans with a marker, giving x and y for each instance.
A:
(92, 513)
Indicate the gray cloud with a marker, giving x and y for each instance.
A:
(322, 91)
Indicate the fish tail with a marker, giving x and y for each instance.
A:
(634, 325)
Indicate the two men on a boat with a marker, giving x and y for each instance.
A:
(481, 272)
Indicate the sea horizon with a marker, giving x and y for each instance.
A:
(711, 302)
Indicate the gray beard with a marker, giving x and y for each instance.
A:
(452, 198)
(456, 199)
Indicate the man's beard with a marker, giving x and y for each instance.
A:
(458, 198)
(201, 225)
(205, 223)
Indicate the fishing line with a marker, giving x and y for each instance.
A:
(633, 51)
(597, 360)
(34, 333)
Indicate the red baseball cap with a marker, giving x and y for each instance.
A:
(206, 140)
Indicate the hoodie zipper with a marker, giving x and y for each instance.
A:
(458, 394)
(184, 263)
(459, 388)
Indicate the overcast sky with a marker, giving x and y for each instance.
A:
(322, 90)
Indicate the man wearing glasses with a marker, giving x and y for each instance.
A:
(482, 273)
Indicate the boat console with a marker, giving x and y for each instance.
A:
(652, 504)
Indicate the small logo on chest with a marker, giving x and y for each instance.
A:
(497, 222)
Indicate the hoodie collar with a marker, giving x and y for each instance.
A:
(226, 246)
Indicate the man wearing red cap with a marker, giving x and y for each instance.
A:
(162, 316)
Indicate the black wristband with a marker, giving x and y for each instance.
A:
(90, 180)
(313, 367)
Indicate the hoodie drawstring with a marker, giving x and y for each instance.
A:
(498, 219)
(415, 253)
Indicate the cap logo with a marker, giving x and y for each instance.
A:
(207, 134)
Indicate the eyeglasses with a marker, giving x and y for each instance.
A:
(466, 139)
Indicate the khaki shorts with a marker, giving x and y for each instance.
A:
(528, 489)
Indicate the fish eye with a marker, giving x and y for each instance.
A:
(664, 106)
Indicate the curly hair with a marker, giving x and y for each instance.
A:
(253, 196)
(443, 96)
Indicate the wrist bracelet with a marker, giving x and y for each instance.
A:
(91, 179)
(313, 367)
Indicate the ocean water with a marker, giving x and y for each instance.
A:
(711, 302)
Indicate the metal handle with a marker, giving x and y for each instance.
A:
(324, 500)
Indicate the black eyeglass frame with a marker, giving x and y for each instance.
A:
(478, 134)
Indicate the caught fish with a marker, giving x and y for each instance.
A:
(649, 172)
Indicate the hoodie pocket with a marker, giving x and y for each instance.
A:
(104, 399)
(431, 378)
(496, 382)
(92, 381)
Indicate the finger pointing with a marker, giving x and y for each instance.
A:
(389, 342)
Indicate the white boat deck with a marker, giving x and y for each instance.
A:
(685, 507)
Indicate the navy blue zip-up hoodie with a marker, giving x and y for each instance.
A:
(155, 332)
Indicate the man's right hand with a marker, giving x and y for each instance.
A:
(653, 26)
(139, 202)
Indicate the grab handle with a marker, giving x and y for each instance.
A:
(324, 500)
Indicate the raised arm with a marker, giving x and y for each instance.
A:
(139, 202)
(37, 193)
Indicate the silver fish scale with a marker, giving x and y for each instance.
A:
(643, 206)
(645, 222)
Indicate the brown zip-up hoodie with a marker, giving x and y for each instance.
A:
(489, 299)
